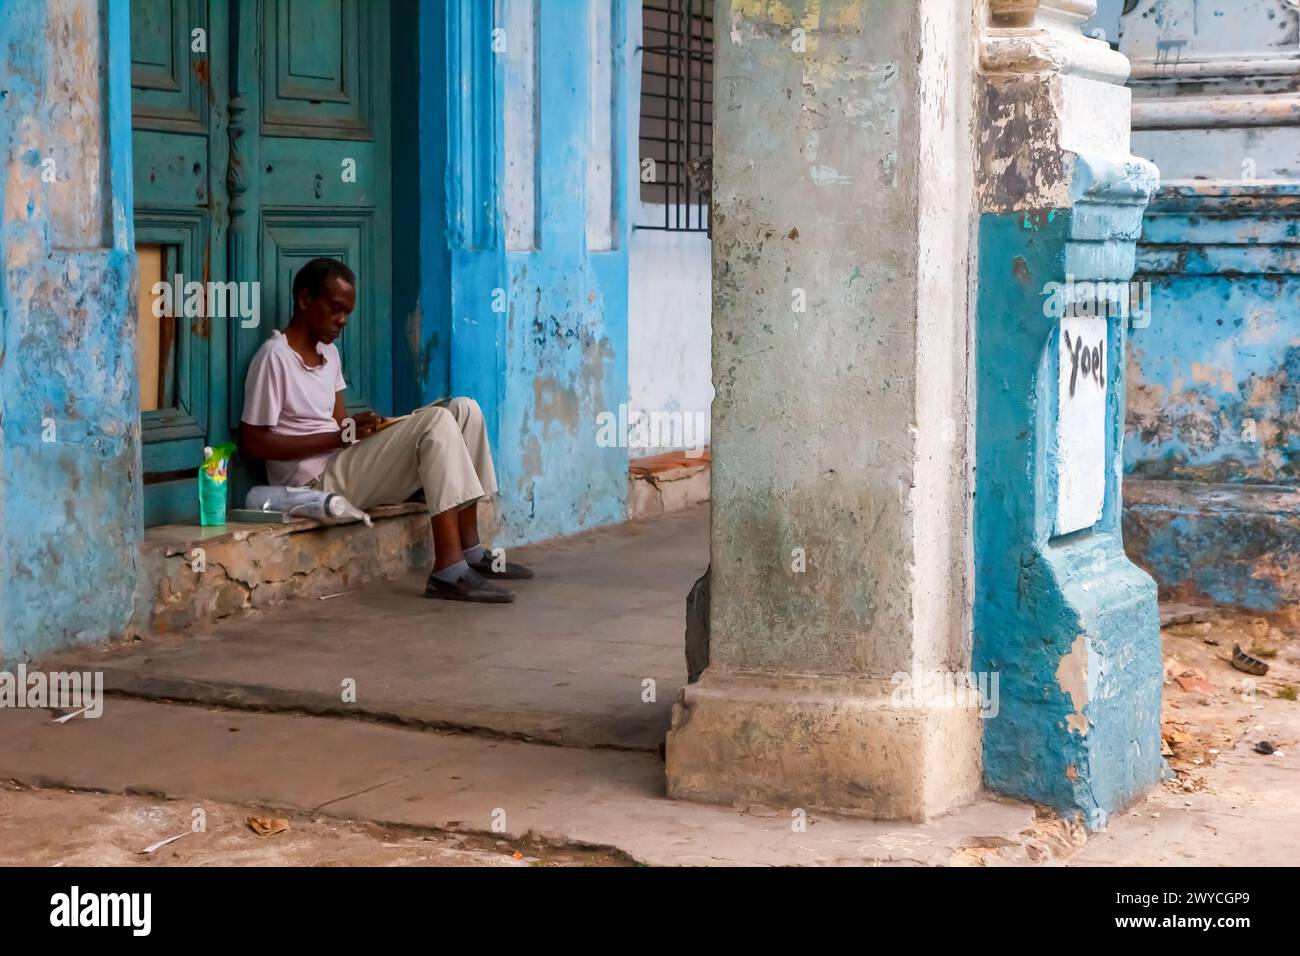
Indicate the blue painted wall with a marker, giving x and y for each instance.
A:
(69, 507)
(1213, 444)
(1215, 375)
(1213, 441)
(538, 338)
(557, 356)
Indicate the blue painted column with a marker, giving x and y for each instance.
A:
(1061, 615)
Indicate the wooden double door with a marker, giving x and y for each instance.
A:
(262, 140)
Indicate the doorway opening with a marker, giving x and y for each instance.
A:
(262, 138)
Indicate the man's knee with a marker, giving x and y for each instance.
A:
(435, 417)
(465, 409)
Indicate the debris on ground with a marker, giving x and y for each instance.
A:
(1209, 707)
(1247, 664)
(153, 847)
(1050, 838)
(267, 826)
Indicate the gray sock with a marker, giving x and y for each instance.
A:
(452, 573)
(475, 554)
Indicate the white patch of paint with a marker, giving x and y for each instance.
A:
(75, 93)
(520, 199)
(600, 151)
(826, 176)
(1094, 116)
(1081, 423)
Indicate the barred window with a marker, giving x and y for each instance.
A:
(677, 113)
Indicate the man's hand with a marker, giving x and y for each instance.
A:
(364, 424)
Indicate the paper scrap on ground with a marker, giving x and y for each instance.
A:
(267, 826)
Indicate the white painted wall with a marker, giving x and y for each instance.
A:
(669, 322)
(669, 295)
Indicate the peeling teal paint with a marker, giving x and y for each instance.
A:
(70, 520)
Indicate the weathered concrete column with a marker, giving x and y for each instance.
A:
(840, 546)
(1063, 617)
(1213, 446)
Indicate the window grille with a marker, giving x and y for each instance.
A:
(677, 113)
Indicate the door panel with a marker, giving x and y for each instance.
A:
(291, 240)
(166, 88)
(317, 76)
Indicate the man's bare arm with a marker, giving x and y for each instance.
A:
(259, 443)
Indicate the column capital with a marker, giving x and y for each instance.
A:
(1044, 37)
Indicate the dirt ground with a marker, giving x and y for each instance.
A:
(62, 828)
(1209, 706)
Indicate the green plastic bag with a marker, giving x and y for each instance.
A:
(214, 484)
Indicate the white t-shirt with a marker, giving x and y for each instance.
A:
(284, 393)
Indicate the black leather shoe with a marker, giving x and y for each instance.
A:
(470, 586)
(510, 570)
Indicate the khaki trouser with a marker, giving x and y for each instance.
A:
(442, 448)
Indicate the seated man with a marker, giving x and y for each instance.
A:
(294, 421)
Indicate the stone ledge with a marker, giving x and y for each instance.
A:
(1233, 545)
(180, 538)
(193, 575)
(669, 482)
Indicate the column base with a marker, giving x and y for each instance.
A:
(828, 744)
